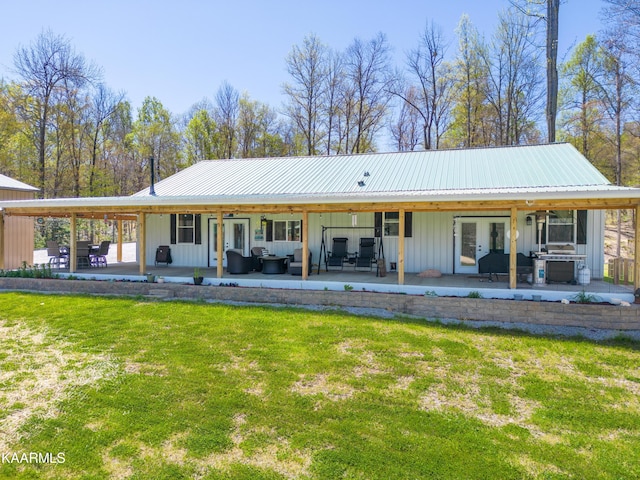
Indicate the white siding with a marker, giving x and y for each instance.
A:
(431, 245)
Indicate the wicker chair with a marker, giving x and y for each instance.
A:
(237, 263)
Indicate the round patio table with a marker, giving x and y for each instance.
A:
(273, 264)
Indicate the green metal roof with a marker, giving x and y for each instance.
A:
(555, 166)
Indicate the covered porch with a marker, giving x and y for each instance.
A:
(457, 285)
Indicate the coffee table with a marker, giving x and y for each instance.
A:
(273, 264)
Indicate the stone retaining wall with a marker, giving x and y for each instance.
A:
(594, 316)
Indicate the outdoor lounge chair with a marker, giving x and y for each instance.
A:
(295, 262)
(256, 254)
(57, 256)
(163, 255)
(367, 255)
(237, 263)
(99, 257)
(338, 253)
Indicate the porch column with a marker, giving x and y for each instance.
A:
(1, 240)
(513, 254)
(305, 245)
(73, 242)
(636, 253)
(142, 242)
(401, 247)
(220, 245)
(119, 250)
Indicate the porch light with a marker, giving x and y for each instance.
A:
(529, 221)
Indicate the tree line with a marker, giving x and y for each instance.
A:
(63, 130)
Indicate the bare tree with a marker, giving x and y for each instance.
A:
(104, 104)
(405, 130)
(46, 65)
(308, 68)
(367, 69)
(513, 86)
(434, 83)
(471, 74)
(228, 106)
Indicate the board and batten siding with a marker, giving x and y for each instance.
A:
(431, 245)
(18, 233)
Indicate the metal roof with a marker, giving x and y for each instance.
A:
(7, 183)
(541, 166)
(524, 174)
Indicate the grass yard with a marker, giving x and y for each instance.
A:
(129, 388)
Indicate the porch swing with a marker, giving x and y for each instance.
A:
(339, 254)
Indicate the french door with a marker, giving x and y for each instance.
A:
(235, 236)
(476, 237)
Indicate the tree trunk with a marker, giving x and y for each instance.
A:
(553, 8)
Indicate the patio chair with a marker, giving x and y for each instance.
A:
(295, 262)
(83, 249)
(163, 255)
(237, 263)
(99, 257)
(256, 253)
(57, 256)
(338, 253)
(367, 255)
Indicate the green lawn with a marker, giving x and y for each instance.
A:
(126, 388)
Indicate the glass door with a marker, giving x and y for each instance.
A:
(475, 238)
(235, 236)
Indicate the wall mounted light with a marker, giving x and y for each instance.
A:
(529, 221)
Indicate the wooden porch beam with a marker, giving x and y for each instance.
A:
(636, 253)
(401, 247)
(220, 245)
(73, 244)
(142, 242)
(131, 212)
(119, 249)
(513, 254)
(1, 240)
(305, 245)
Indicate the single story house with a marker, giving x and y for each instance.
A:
(16, 242)
(441, 210)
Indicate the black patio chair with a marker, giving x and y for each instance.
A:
(338, 253)
(163, 255)
(237, 263)
(256, 254)
(99, 257)
(367, 254)
(57, 255)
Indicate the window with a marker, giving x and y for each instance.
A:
(561, 227)
(185, 228)
(391, 224)
(287, 231)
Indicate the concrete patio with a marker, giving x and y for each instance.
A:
(338, 280)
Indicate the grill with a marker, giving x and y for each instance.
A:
(561, 260)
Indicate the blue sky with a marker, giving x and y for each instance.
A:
(181, 51)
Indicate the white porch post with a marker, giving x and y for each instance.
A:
(513, 254)
(305, 245)
(401, 247)
(73, 242)
(220, 245)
